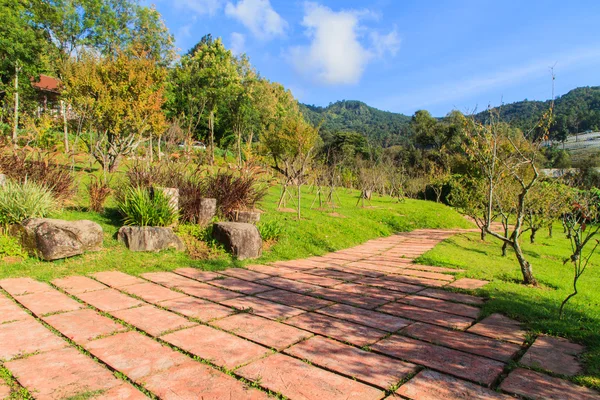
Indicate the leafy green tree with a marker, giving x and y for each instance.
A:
(119, 99)
(21, 44)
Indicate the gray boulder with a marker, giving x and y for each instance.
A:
(243, 240)
(53, 239)
(207, 210)
(149, 238)
(249, 217)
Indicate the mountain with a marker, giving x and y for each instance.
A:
(576, 111)
(382, 127)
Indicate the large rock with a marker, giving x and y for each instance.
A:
(53, 239)
(243, 240)
(207, 210)
(249, 217)
(149, 238)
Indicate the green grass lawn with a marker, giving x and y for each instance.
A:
(316, 233)
(537, 308)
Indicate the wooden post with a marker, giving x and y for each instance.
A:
(63, 107)
(15, 135)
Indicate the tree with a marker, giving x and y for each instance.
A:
(216, 77)
(120, 101)
(290, 141)
(21, 44)
(497, 151)
(582, 226)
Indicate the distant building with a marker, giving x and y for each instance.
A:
(48, 95)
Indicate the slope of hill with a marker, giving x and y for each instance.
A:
(575, 111)
(382, 127)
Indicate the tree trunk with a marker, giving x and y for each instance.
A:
(63, 107)
(532, 236)
(239, 146)
(299, 199)
(15, 135)
(550, 231)
(483, 233)
(211, 129)
(526, 269)
(159, 149)
(151, 148)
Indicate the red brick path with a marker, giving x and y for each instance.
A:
(362, 323)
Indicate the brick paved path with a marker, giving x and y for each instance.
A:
(362, 323)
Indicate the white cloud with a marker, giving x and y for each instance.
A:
(335, 54)
(258, 16)
(238, 42)
(383, 44)
(209, 7)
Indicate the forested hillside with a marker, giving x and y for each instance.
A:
(576, 111)
(382, 127)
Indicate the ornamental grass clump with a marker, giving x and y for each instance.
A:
(143, 207)
(22, 200)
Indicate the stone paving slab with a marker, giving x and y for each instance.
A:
(345, 331)
(441, 305)
(206, 291)
(431, 385)
(197, 308)
(427, 315)
(463, 341)
(26, 337)
(220, 348)
(451, 296)
(61, 374)
(151, 292)
(298, 380)
(240, 285)
(152, 320)
(263, 331)
(372, 368)
(245, 274)
(48, 302)
(271, 270)
(313, 279)
(197, 274)
(294, 299)
(291, 285)
(167, 279)
(497, 326)
(415, 280)
(21, 286)
(109, 300)
(134, 354)
(348, 298)
(264, 308)
(402, 271)
(468, 283)
(334, 274)
(10, 311)
(538, 386)
(122, 392)
(371, 291)
(78, 284)
(83, 325)
(385, 283)
(193, 380)
(4, 391)
(116, 279)
(555, 355)
(369, 318)
(453, 362)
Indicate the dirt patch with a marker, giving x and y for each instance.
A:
(337, 215)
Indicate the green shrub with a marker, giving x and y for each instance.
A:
(142, 207)
(22, 200)
(10, 247)
(271, 230)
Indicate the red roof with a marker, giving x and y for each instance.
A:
(47, 83)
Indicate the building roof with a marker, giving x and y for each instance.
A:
(47, 84)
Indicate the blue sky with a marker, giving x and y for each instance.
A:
(401, 55)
